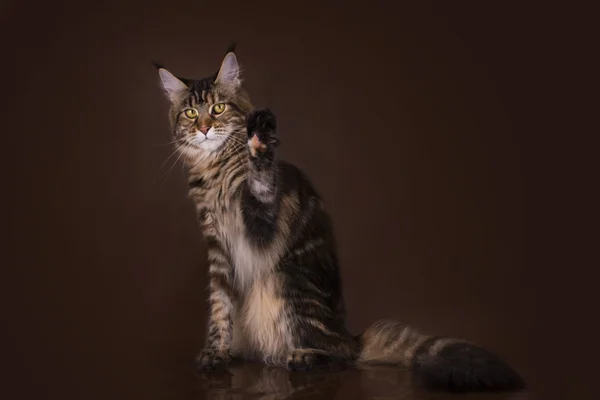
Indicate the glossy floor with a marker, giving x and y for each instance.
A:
(256, 381)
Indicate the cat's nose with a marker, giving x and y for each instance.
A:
(204, 129)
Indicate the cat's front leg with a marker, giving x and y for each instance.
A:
(220, 326)
(262, 141)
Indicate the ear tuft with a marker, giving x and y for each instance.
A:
(231, 48)
(157, 65)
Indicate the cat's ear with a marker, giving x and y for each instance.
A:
(229, 74)
(173, 86)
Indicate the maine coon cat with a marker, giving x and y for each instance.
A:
(275, 287)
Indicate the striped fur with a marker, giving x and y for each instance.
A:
(275, 287)
(439, 363)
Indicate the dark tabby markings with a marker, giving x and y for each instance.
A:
(198, 182)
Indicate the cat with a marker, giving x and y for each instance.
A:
(274, 279)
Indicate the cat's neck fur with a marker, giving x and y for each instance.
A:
(214, 171)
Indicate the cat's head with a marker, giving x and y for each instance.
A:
(207, 113)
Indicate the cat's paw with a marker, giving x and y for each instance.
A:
(211, 359)
(262, 127)
(306, 359)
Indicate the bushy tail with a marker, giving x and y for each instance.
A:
(438, 363)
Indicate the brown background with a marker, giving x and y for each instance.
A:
(406, 117)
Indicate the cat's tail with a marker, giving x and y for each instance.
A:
(438, 363)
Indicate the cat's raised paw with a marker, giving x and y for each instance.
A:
(262, 127)
(211, 359)
(261, 123)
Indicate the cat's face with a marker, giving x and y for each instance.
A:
(207, 113)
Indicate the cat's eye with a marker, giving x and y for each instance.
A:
(191, 113)
(218, 108)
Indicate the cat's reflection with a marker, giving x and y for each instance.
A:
(258, 381)
(388, 382)
(243, 380)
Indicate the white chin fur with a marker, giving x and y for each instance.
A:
(208, 142)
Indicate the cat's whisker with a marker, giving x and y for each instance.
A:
(178, 158)
(229, 137)
(173, 142)
(233, 138)
(239, 150)
(165, 162)
(236, 144)
(228, 149)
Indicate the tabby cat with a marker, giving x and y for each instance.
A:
(275, 287)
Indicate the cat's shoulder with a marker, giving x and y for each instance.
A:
(292, 178)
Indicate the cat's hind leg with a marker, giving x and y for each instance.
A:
(307, 359)
(319, 337)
